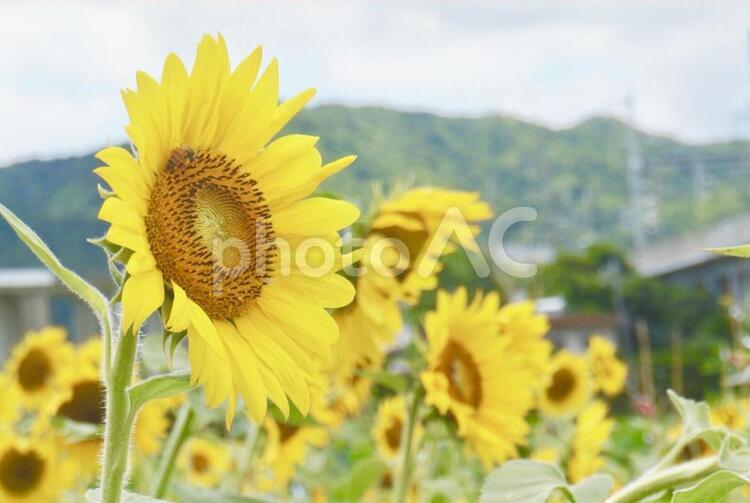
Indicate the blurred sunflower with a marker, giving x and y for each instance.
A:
(31, 471)
(212, 214)
(152, 424)
(205, 462)
(285, 448)
(9, 412)
(389, 424)
(608, 371)
(593, 429)
(474, 377)
(407, 224)
(546, 454)
(525, 331)
(569, 386)
(37, 366)
(728, 415)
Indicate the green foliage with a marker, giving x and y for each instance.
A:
(157, 387)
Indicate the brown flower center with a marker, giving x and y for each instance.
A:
(562, 385)
(199, 462)
(34, 370)
(393, 435)
(87, 403)
(457, 364)
(210, 231)
(21, 472)
(413, 240)
(287, 431)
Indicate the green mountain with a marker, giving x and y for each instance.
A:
(576, 178)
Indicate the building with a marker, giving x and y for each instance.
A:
(33, 298)
(686, 261)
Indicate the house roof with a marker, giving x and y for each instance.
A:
(689, 250)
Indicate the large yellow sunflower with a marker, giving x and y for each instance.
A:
(286, 447)
(31, 470)
(389, 425)
(205, 462)
(569, 386)
(608, 371)
(475, 377)
(593, 429)
(398, 242)
(217, 221)
(37, 366)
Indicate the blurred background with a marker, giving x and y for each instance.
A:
(626, 125)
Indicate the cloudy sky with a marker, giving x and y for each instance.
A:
(554, 62)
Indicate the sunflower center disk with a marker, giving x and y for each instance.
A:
(210, 231)
(20, 472)
(199, 463)
(393, 435)
(86, 405)
(463, 374)
(563, 382)
(34, 370)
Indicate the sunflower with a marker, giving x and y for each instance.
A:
(609, 372)
(593, 429)
(569, 386)
(31, 470)
(286, 447)
(525, 331)
(389, 424)
(546, 454)
(353, 355)
(9, 412)
(153, 424)
(399, 239)
(37, 366)
(728, 415)
(211, 215)
(474, 377)
(205, 462)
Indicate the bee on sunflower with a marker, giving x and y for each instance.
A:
(38, 366)
(205, 462)
(608, 371)
(569, 387)
(474, 377)
(210, 214)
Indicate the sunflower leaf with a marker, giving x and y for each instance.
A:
(361, 478)
(394, 382)
(712, 488)
(157, 387)
(526, 481)
(93, 297)
(696, 420)
(733, 251)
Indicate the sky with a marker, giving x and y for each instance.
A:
(553, 62)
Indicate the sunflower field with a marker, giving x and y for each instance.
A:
(266, 341)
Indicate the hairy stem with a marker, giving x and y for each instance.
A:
(407, 461)
(669, 478)
(119, 420)
(180, 432)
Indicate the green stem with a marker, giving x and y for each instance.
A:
(668, 478)
(407, 462)
(247, 454)
(180, 432)
(119, 420)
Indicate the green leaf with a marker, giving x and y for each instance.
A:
(95, 496)
(362, 477)
(156, 387)
(696, 420)
(93, 297)
(526, 481)
(712, 488)
(733, 251)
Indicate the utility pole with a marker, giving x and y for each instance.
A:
(635, 178)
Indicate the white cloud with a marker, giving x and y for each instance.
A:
(550, 61)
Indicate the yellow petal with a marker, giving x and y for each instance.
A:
(179, 316)
(141, 296)
(316, 215)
